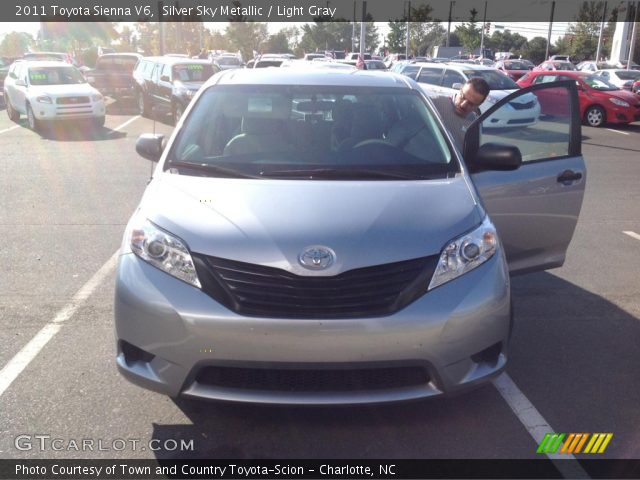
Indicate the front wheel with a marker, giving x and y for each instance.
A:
(98, 122)
(178, 110)
(34, 123)
(143, 104)
(12, 113)
(595, 116)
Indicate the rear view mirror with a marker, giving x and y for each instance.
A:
(149, 146)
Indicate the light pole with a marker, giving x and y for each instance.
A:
(633, 37)
(484, 22)
(604, 16)
(553, 7)
(451, 4)
(408, 5)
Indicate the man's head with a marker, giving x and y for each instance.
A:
(471, 96)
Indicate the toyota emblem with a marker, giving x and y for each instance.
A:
(317, 257)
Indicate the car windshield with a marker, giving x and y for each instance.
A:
(496, 80)
(564, 66)
(192, 72)
(55, 76)
(312, 132)
(516, 66)
(628, 74)
(228, 61)
(599, 83)
(124, 64)
(375, 65)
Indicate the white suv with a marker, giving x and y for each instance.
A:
(438, 79)
(48, 91)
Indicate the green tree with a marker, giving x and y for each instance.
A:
(277, 43)
(247, 37)
(15, 44)
(534, 50)
(469, 32)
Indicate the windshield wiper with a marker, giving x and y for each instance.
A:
(339, 173)
(209, 168)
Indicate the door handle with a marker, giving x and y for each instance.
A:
(569, 176)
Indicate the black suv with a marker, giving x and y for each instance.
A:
(167, 84)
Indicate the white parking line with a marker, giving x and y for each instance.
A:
(9, 129)
(125, 124)
(617, 131)
(632, 234)
(24, 357)
(536, 425)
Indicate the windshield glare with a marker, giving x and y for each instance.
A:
(197, 72)
(55, 76)
(599, 83)
(495, 79)
(313, 132)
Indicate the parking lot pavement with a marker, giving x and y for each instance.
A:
(66, 196)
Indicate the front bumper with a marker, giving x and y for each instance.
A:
(53, 111)
(181, 332)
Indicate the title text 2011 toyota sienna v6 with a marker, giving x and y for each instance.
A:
(313, 237)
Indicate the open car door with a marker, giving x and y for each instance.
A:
(535, 205)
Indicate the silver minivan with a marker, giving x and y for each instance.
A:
(314, 237)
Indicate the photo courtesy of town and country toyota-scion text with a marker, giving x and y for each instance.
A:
(302, 239)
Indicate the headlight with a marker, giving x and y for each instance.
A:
(96, 97)
(43, 99)
(162, 250)
(465, 253)
(620, 103)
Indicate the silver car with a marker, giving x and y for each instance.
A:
(314, 237)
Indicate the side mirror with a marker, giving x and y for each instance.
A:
(456, 86)
(497, 156)
(20, 83)
(149, 146)
(164, 78)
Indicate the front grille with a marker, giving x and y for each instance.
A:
(256, 290)
(72, 100)
(517, 121)
(314, 380)
(522, 106)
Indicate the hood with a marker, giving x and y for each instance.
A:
(63, 90)
(270, 222)
(625, 95)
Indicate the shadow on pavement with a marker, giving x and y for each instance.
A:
(573, 354)
(77, 132)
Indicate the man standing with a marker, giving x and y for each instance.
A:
(461, 109)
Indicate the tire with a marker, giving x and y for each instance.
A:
(143, 104)
(12, 113)
(178, 111)
(98, 122)
(34, 123)
(595, 116)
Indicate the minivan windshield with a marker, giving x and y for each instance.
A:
(496, 79)
(192, 72)
(311, 132)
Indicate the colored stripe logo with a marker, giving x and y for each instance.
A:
(574, 443)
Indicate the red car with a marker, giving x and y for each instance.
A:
(600, 101)
(514, 68)
(636, 87)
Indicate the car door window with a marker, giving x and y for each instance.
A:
(166, 72)
(411, 71)
(544, 79)
(538, 123)
(451, 77)
(430, 75)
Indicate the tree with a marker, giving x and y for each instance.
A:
(535, 50)
(277, 43)
(247, 37)
(15, 44)
(506, 41)
(469, 33)
(424, 32)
